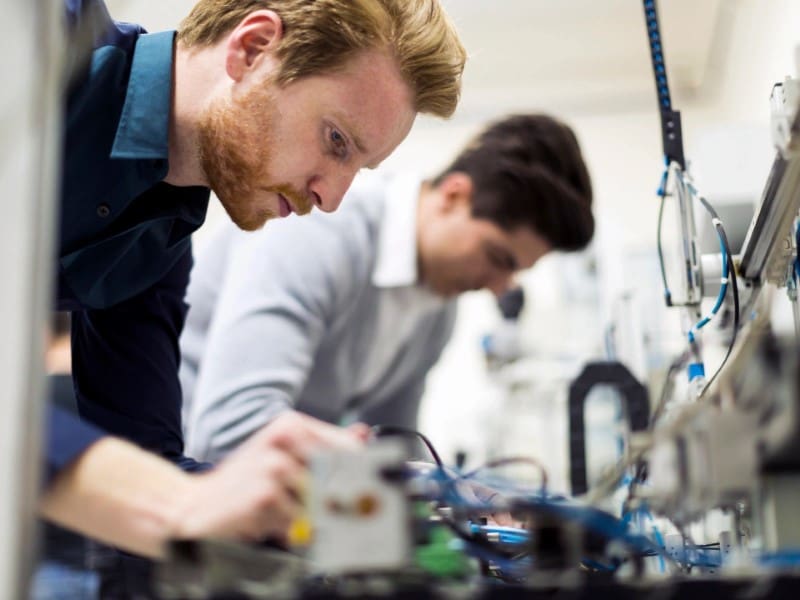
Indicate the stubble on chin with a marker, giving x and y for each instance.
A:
(233, 148)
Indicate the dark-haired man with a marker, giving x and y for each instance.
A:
(341, 318)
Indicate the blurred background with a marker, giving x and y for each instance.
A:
(587, 62)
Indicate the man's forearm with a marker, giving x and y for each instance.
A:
(120, 494)
(117, 493)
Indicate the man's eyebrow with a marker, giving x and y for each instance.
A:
(350, 130)
(358, 143)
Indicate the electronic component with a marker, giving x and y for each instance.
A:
(360, 518)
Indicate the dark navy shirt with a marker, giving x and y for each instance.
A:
(124, 253)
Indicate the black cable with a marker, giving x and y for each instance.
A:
(483, 543)
(731, 276)
(667, 115)
(667, 293)
(734, 287)
(662, 193)
(392, 430)
(679, 361)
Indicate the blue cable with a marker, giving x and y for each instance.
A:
(781, 560)
(662, 186)
(507, 535)
(657, 536)
(644, 511)
(600, 522)
(516, 568)
(662, 566)
(657, 54)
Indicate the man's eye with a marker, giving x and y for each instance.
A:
(500, 262)
(338, 143)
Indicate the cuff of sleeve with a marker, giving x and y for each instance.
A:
(66, 438)
(191, 465)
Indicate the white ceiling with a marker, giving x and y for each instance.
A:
(578, 55)
(574, 56)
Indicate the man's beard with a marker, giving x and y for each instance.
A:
(234, 140)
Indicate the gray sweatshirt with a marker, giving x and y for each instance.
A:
(321, 314)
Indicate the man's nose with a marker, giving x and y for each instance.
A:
(329, 190)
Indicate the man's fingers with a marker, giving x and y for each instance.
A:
(286, 471)
(504, 519)
(360, 430)
(276, 520)
(302, 436)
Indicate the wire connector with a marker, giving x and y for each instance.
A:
(695, 370)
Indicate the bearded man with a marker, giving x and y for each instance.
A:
(272, 104)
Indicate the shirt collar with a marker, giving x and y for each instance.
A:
(143, 131)
(396, 260)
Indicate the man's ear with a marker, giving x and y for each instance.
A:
(456, 191)
(258, 33)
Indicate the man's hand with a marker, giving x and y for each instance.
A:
(475, 495)
(256, 491)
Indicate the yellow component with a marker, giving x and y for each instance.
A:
(300, 531)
